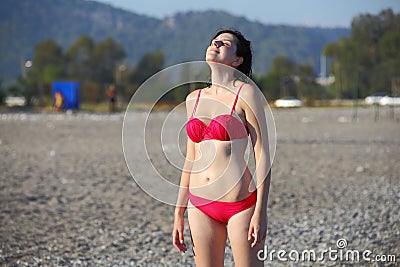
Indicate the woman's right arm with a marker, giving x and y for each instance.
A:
(181, 204)
(183, 194)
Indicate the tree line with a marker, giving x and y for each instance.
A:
(368, 61)
(94, 65)
(97, 65)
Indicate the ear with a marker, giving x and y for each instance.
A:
(237, 62)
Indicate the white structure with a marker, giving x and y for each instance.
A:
(323, 78)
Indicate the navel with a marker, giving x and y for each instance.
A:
(228, 150)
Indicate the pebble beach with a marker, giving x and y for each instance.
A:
(67, 197)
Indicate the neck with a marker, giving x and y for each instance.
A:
(222, 75)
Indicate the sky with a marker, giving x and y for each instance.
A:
(313, 13)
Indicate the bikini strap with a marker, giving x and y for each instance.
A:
(236, 98)
(197, 101)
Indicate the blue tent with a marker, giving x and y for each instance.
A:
(70, 92)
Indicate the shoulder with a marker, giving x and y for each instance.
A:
(192, 95)
(250, 93)
(190, 101)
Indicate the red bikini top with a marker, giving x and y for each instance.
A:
(223, 127)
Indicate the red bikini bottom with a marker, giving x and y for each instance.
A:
(221, 210)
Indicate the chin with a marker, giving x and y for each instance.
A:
(212, 59)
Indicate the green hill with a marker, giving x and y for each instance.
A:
(182, 37)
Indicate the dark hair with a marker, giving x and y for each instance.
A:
(243, 50)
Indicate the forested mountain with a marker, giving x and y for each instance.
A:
(182, 37)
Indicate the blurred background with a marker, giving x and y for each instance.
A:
(67, 197)
(314, 53)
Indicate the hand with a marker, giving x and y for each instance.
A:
(177, 233)
(257, 229)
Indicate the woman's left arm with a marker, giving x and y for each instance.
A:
(253, 103)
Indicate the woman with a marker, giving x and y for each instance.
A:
(216, 183)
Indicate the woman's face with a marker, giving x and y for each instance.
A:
(222, 49)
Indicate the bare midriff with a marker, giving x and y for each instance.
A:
(219, 171)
